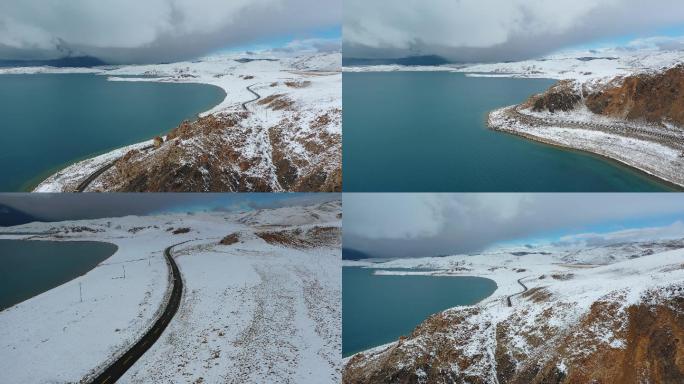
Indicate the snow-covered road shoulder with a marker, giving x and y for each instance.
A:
(261, 300)
(658, 160)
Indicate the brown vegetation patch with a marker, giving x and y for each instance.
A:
(563, 276)
(537, 294)
(276, 102)
(230, 239)
(205, 125)
(180, 230)
(299, 238)
(298, 84)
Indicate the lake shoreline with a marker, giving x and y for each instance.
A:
(381, 271)
(111, 251)
(90, 163)
(501, 121)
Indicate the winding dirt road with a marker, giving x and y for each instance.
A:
(508, 298)
(257, 97)
(672, 138)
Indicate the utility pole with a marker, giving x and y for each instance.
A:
(80, 290)
(124, 271)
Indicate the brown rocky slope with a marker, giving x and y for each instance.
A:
(228, 152)
(653, 352)
(618, 323)
(650, 97)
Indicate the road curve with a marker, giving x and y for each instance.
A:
(257, 97)
(86, 182)
(508, 298)
(115, 370)
(668, 137)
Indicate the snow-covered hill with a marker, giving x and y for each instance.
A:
(568, 321)
(576, 64)
(290, 139)
(264, 306)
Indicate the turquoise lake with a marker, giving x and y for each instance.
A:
(426, 132)
(29, 268)
(379, 309)
(53, 120)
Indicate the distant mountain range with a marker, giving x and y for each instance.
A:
(71, 61)
(10, 216)
(352, 254)
(410, 60)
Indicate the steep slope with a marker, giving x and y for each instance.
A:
(278, 129)
(651, 97)
(617, 323)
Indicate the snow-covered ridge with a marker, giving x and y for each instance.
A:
(293, 129)
(555, 295)
(581, 65)
(247, 305)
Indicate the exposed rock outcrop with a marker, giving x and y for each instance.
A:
(651, 97)
(563, 96)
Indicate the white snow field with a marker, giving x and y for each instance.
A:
(311, 81)
(566, 282)
(251, 312)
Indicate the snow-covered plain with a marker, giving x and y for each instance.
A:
(566, 282)
(251, 311)
(311, 81)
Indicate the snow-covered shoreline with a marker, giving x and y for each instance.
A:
(251, 309)
(311, 80)
(564, 287)
(654, 159)
(114, 311)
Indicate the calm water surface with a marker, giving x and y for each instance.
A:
(426, 132)
(29, 268)
(52, 120)
(378, 309)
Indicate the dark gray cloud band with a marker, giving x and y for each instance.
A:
(66, 206)
(411, 225)
(495, 30)
(132, 31)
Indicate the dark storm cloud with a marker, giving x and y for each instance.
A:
(132, 31)
(409, 225)
(65, 206)
(495, 30)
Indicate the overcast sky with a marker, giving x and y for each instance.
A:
(133, 31)
(498, 30)
(68, 206)
(411, 225)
